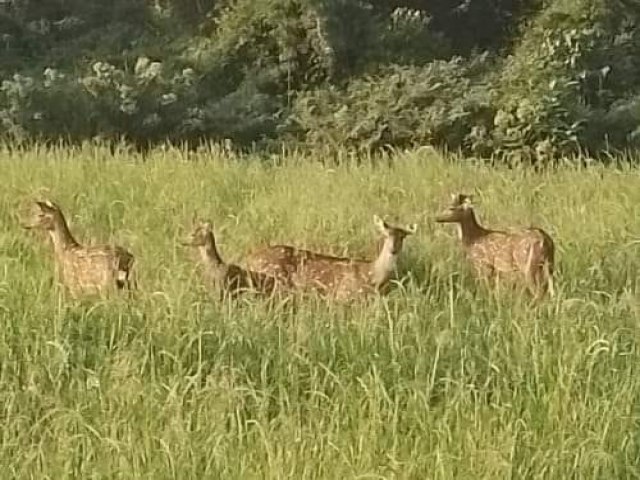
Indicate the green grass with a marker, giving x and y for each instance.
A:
(439, 380)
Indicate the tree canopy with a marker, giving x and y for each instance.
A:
(524, 79)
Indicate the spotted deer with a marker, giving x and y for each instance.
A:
(525, 255)
(226, 279)
(339, 277)
(83, 269)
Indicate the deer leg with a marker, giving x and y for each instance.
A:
(134, 281)
(536, 283)
(486, 275)
(496, 281)
(132, 284)
(483, 272)
(73, 292)
(548, 277)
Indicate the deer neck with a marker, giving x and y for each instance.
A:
(209, 253)
(384, 265)
(469, 230)
(61, 236)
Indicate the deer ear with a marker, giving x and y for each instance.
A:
(379, 223)
(45, 206)
(206, 226)
(458, 199)
(413, 228)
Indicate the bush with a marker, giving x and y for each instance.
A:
(56, 33)
(189, 12)
(439, 104)
(150, 104)
(362, 73)
(407, 37)
(566, 70)
(280, 44)
(468, 25)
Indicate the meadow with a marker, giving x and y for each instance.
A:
(438, 380)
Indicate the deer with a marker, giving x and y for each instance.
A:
(525, 255)
(226, 279)
(342, 278)
(83, 269)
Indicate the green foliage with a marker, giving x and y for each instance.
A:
(361, 73)
(470, 24)
(407, 37)
(280, 42)
(572, 62)
(438, 104)
(189, 12)
(149, 104)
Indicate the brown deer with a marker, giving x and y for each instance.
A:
(83, 269)
(226, 279)
(339, 277)
(524, 255)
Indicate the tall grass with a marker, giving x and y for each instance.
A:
(439, 380)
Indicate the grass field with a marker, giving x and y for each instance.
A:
(438, 381)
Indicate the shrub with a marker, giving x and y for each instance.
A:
(468, 25)
(150, 104)
(567, 68)
(189, 12)
(360, 73)
(407, 38)
(439, 104)
(280, 44)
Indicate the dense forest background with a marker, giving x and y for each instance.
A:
(521, 79)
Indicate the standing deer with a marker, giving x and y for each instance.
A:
(83, 269)
(338, 277)
(226, 278)
(526, 254)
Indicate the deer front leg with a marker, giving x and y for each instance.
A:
(484, 272)
(486, 275)
(539, 283)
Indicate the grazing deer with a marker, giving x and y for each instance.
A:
(91, 269)
(226, 278)
(527, 253)
(339, 277)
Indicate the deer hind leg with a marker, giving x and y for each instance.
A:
(132, 283)
(534, 272)
(534, 284)
(548, 278)
(223, 294)
(496, 281)
(539, 282)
